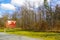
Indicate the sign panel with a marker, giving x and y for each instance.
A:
(10, 24)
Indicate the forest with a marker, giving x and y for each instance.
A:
(44, 18)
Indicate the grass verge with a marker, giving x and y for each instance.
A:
(44, 35)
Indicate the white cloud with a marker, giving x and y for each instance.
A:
(7, 7)
(0, 14)
(48, 0)
(21, 2)
(58, 2)
(37, 2)
(17, 2)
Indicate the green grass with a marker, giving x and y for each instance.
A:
(1, 30)
(43, 35)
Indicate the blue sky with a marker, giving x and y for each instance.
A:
(12, 5)
(5, 1)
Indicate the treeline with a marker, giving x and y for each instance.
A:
(44, 19)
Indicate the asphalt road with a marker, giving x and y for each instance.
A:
(4, 36)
